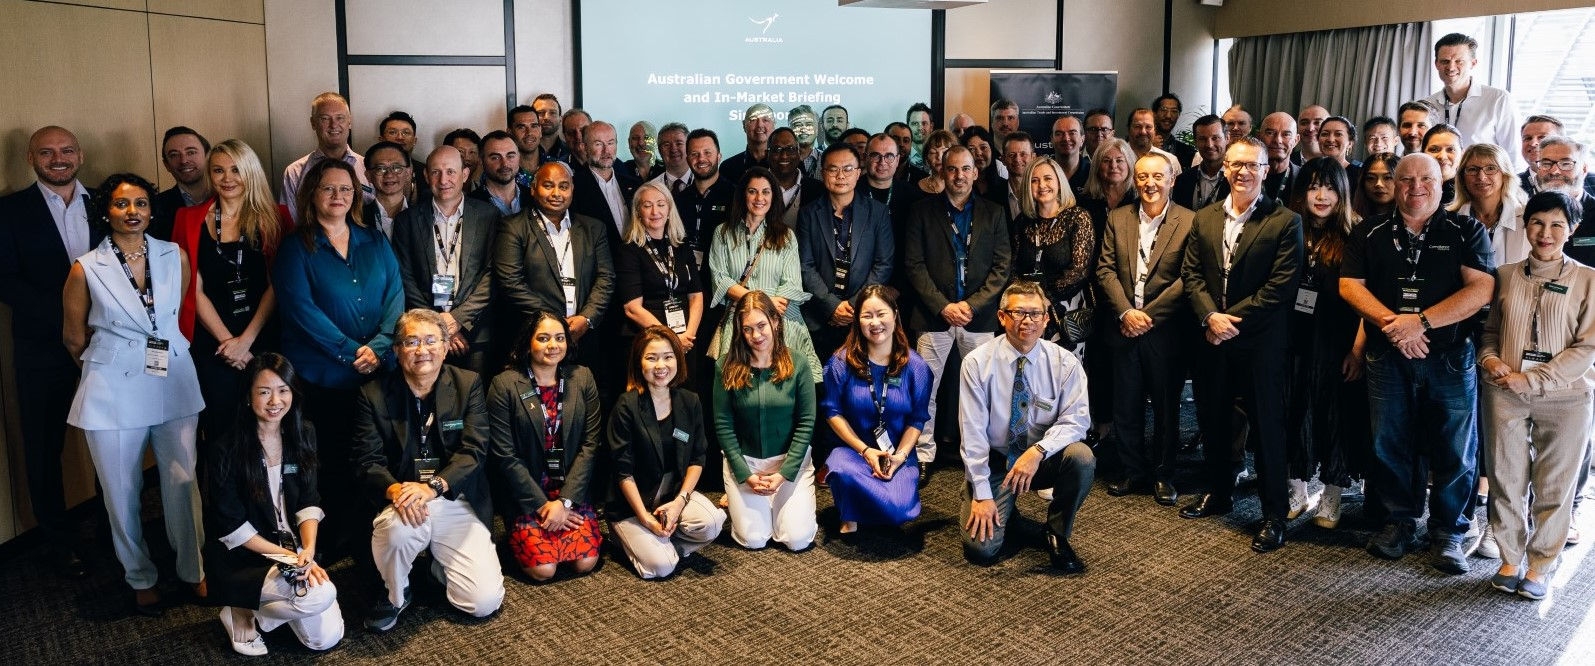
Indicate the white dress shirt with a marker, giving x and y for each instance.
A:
(559, 238)
(1059, 414)
(71, 218)
(1486, 115)
(617, 204)
(1146, 240)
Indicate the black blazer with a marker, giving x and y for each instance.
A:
(384, 454)
(872, 249)
(33, 270)
(1165, 288)
(515, 418)
(235, 574)
(164, 215)
(526, 267)
(1262, 278)
(587, 199)
(415, 245)
(637, 452)
(1184, 192)
(932, 266)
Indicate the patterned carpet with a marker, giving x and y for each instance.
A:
(1160, 590)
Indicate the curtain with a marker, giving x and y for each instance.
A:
(1358, 73)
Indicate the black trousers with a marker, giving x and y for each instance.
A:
(1257, 378)
(1068, 473)
(347, 527)
(1148, 367)
(44, 396)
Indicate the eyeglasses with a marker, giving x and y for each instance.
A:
(1489, 170)
(880, 157)
(389, 169)
(414, 343)
(785, 150)
(1103, 131)
(1565, 165)
(335, 190)
(833, 170)
(1027, 315)
(1246, 166)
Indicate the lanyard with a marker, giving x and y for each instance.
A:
(877, 394)
(747, 270)
(425, 428)
(448, 252)
(1448, 119)
(237, 261)
(282, 501)
(147, 294)
(1414, 251)
(842, 233)
(1534, 330)
(666, 264)
(552, 422)
(561, 256)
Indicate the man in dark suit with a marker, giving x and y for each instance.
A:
(1240, 272)
(184, 154)
(1143, 248)
(420, 440)
(957, 255)
(445, 251)
(785, 157)
(1166, 110)
(43, 228)
(1200, 187)
(547, 259)
(845, 242)
(501, 168)
(602, 191)
(1279, 138)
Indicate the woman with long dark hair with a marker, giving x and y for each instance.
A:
(263, 512)
(1376, 188)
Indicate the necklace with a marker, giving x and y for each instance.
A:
(341, 233)
(143, 251)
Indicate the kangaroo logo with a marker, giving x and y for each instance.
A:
(766, 22)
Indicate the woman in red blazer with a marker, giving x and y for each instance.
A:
(230, 241)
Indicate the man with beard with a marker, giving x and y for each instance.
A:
(1413, 119)
(603, 192)
(806, 126)
(796, 189)
(550, 148)
(527, 130)
(1200, 187)
(184, 154)
(501, 166)
(1068, 141)
(571, 128)
(833, 122)
(920, 124)
(1166, 110)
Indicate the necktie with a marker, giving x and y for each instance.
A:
(681, 184)
(1018, 413)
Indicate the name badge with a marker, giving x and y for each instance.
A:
(882, 441)
(1556, 288)
(1533, 359)
(842, 268)
(1306, 301)
(1582, 241)
(457, 424)
(442, 291)
(426, 468)
(290, 468)
(1043, 405)
(570, 295)
(1409, 301)
(675, 316)
(680, 435)
(157, 353)
(894, 381)
(240, 295)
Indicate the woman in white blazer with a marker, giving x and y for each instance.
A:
(138, 388)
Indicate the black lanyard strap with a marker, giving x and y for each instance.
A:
(147, 294)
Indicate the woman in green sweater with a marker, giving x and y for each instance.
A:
(764, 414)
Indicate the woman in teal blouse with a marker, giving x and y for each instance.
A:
(764, 415)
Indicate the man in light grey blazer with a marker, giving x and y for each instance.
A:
(1139, 271)
(445, 250)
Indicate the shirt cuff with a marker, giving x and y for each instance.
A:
(244, 533)
(310, 513)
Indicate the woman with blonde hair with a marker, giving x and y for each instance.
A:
(1489, 191)
(657, 281)
(1054, 242)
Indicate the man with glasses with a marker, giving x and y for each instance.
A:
(1023, 421)
(1166, 110)
(844, 242)
(957, 257)
(1068, 142)
(388, 169)
(1279, 138)
(1481, 113)
(331, 120)
(1098, 128)
(785, 157)
(1240, 273)
(1417, 277)
(398, 127)
(1563, 166)
(445, 249)
(806, 125)
(880, 170)
(420, 453)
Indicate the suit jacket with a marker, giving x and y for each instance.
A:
(231, 508)
(636, 451)
(1164, 294)
(384, 451)
(1184, 192)
(1279, 186)
(515, 418)
(415, 246)
(588, 199)
(526, 267)
(1262, 277)
(932, 266)
(33, 269)
(872, 248)
(164, 213)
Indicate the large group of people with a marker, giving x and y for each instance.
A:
(395, 352)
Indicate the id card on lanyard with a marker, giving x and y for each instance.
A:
(427, 461)
(554, 456)
(237, 289)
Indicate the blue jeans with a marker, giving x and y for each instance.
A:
(1422, 411)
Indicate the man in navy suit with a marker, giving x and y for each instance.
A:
(43, 228)
(845, 242)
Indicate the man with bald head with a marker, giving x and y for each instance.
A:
(1068, 144)
(758, 122)
(1308, 121)
(1417, 277)
(602, 191)
(43, 228)
(445, 248)
(550, 260)
(959, 123)
(1279, 138)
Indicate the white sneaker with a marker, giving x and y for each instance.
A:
(1300, 500)
(1045, 493)
(1328, 516)
(253, 647)
(1488, 548)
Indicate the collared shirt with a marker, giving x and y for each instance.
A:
(1234, 222)
(447, 228)
(670, 181)
(1486, 115)
(384, 220)
(1508, 243)
(332, 305)
(1207, 188)
(71, 218)
(1379, 253)
(1146, 241)
(505, 208)
(963, 219)
(789, 195)
(1013, 204)
(1058, 412)
(295, 173)
(559, 238)
(611, 190)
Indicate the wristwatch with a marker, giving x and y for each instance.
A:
(1424, 319)
(437, 485)
(565, 502)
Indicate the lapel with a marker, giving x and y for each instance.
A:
(531, 406)
(649, 418)
(399, 413)
(478, 233)
(425, 223)
(1165, 232)
(109, 271)
(448, 403)
(44, 226)
(1251, 229)
(580, 245)
(545, 244)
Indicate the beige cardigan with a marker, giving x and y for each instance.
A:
(1567, 324)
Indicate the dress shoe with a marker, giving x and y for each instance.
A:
(1207, 505)
(1164, 493)
(924, 474)
(1270, 537)
(1063, 558)
(147, 602)
(1129, 487)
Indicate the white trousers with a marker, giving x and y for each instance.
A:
(655, 556)
(787, 516)
(119, 463)
(315, 618)
(461, 547)
(936, 347)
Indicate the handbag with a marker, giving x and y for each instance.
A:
(1077, 325)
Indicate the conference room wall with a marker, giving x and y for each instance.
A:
(117, 73)
(1249, 18)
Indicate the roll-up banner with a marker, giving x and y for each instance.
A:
(1043, 96)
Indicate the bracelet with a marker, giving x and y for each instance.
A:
(1424, 319)
(685, 498)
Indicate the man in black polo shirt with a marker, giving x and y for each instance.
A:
(1417, 277)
